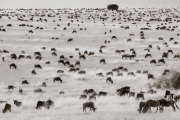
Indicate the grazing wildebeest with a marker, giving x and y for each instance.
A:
(87, 91)
(57, 79)
(99, 74)
(140, 95)
(37, 66)
(82, 72)
(54, 53)
(53, 49)
(165, 103)
(102, 61)
(61, 92)
(28, 57)
(151, 103)
(158, 47)
(131, 94)
(150, 76)
(131, 73)
(170, 51)
(138, 71)
(47, 62)
(141, 106)
(89, 105)
(148, 55)
(149, 46)
(101, 93)
(70, 40)
(17, 103)
(83, 96)
(82, 56)
(11, 87)
(13, 56)
(109, 73)
(109, 80)
(13, 65)
(6, 108)
(153, 61)
(21, 56)
(161, 60)
(25, 82)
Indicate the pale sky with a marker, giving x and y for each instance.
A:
(87, 3)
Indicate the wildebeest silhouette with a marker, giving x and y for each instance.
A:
(82, 57)
(6, 108)
(20, 91)
(33, 72)
(13, 65)
(113, 37)
(60, 71)
(170, 51)
(148, 55)
(123, 91)
(138, 71)
(88, 105)
(44, 84)
(47, 62)
(57, 79)
(161, 61)
(165, 103)
(37, 53)
(37, 66)
(38, 90)
(150, 76)
(84, 96)
(70, 40)
(113, 7)
(100, 74)
(131, 94)
(176, 56)
(151, 91)
(28, 57)
(102, 61)
(140, 95)
(13, 56)
(17, 103)
(109, 73)
(151, 103)
(101, 93)
(40, 104)
(30, 31)
(131, 73)
(153, 61)
(11, 87)
(109, 80)
(87, 91)
(25, 82)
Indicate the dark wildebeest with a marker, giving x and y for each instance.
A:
(44, 84)
(82, 56)
(153, 61)
(131, 94)
(37, 53)
(113, 37)
(17, 103)
(40, 104)
(7, 108)
(140, 95)
(165, 103)
(101, 93)
(28, 57)
(37, 66)
(30, 31)
(38, 90)
(158, 47)
(112, 7)
(82, 72)
(109, 73)
(54, 53)
(87, 91)
(13, 65)
(70, 40)
(102, 61)
(21, 56)
(11, 87)
(53, 49)
(25, 82)
(176, 56)
(38, 57)
(170, 51)
(141, 106)
(60, 71)
(93, 96)
(83, 96)
(161, 60)
(176, 98)
(49, 103)
(57, 79)
(150, 76)
(165, 55)
(138, 71)
(131, 73)
(89, 105)
(109, 80)
(148, 55)
(151, 103)
(123, 91)
(33, 72)
(20, 91)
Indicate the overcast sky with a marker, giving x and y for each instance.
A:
(86, 3)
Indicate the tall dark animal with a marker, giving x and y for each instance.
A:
(165, 103)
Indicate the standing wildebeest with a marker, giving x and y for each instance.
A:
(25, 82)
(44, 84)
(161, 60)
(33, 72)
(30, 31)
(57, 79)
(13, 65)
(131, 73)
(170, 51)
(7, 108)
(148, 55)
(11, 87)
(109, 80)
(112, 7)
(150, 76)
(113, 37)
(70, 40)
(151, 103)
(123, 91)
(82, 56)
(176, 98)
(153, 61)
(37, 66)
(89, 105)
(87, 91)
(101, 93)
(20, 56)
(109, 73)
(140, 95)
(17, 103)
(40, 104)
(165, 103)
(37, 53)
(102, 61)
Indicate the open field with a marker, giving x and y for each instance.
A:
(68, 106)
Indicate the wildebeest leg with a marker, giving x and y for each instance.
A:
(84, 109)
(157, 109)
(173, 107)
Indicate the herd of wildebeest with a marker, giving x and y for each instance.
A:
(40, 15)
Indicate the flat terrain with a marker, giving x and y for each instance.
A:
(68, 106)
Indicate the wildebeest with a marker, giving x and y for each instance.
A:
(165, 103)
(131, 94)
(6, 108)
(11, 87)
(99, 74)
(82, 56)
(40, 104)
(17, 103)
(109, 73)
(13, 65)
(49, 103)
(140, 95)
(33, 72)
(57, 79)
(141, 106)
(149, 75)
(38, 90)
(151, 103)
(88, 105)
(162, 61)
(37, 66)
(148, 55)
(30, 31)
(101, 93)
(87, 91)
(123, 91)
(44, 84)
(60, 71)
(70, 40)
(83, 96)
(112, 7)
(102, 61)
(37, 53)
(109, 80)
(153, 61)
(25, 82)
